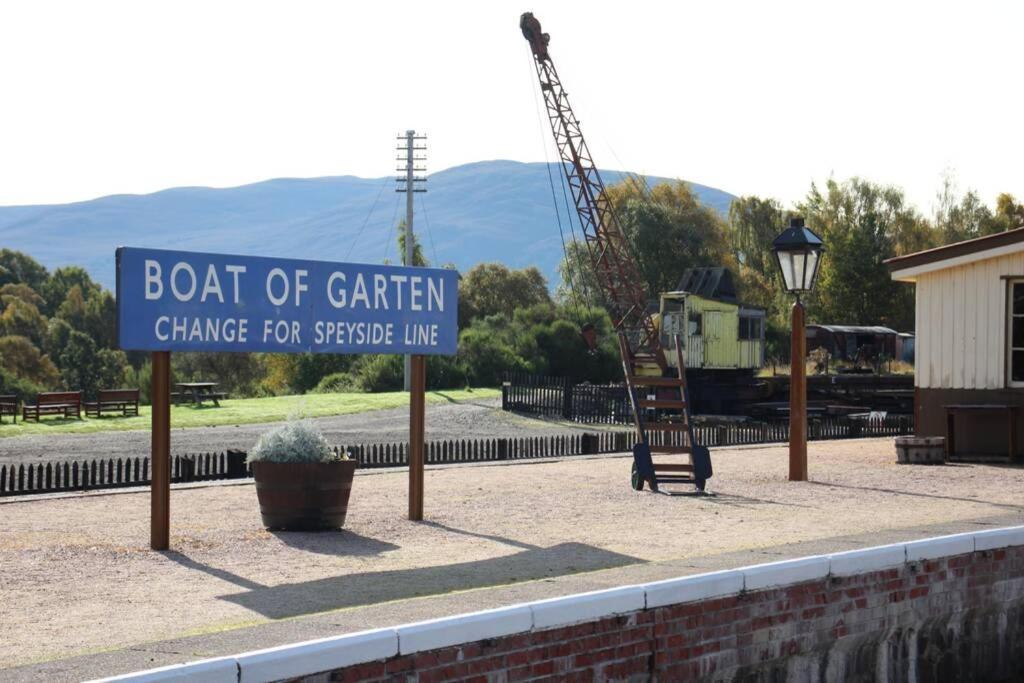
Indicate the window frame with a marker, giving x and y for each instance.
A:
(1010, 348)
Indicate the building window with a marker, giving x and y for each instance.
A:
(1015, 362)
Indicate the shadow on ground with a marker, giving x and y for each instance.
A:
(354, 590)
(341, 542)
(914, 494)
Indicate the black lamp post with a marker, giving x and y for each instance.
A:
(798, 251)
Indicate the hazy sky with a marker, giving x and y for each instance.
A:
(754, 98)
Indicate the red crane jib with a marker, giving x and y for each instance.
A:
(610, 257)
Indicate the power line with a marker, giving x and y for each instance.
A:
(373, 206)
(391, 229)
(430, 234)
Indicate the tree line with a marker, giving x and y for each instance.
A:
(861, 223)
(57, 329)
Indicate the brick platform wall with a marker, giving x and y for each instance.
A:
(947, 619)
(940, 609)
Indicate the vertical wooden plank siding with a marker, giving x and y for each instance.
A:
(994, 305)
(931, 285)
(970, 309)
(960, 349)
(961, 321)
(947, 328)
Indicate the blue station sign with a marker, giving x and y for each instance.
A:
(185, 301)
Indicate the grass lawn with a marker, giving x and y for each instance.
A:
(241, 411)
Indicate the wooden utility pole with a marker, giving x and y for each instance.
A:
(417, 417)
(160, 476)
(798, 396)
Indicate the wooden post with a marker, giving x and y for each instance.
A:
(160, 484)
(798, 397)
(417, 416)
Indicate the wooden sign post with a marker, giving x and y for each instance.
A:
(160, 477)
(417, 416)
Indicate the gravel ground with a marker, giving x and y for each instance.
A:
(481, 418)
(76, 574)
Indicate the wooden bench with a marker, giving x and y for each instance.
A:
(9, 406)
(124, 401)
(1012, 417)
(65, 403)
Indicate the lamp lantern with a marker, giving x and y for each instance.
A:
(798, 252)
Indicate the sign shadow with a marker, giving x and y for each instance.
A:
(354, 590)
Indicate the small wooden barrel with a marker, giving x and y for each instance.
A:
(304, 496)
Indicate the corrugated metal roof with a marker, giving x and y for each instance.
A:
(710, 283)
(856, 329)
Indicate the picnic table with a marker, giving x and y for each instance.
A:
(197, 393)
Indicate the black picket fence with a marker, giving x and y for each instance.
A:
(92, 475)
(560, 397)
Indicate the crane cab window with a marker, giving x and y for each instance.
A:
(750, 327)
(696, 324)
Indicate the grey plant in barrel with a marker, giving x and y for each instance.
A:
(301, 483)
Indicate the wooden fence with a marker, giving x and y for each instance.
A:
(92, 475)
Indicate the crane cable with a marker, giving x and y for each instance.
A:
(572, 227)
(554, 202)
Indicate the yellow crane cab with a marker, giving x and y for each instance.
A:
(718, 332)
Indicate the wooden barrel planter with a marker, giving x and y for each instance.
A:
(303, 496)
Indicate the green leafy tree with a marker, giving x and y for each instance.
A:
(1009, 214)
(22, 292)
(298, 373)
(22, 319)
(754, 223)
(418, 259)
(21, 359)
(859, 223)
(16, 267)
(86, 367)
(668, 230)
(958, 218)
(495, 289)
(239, 374)
(58, 285)
(486, 357)
(91, 311)
(57, 333)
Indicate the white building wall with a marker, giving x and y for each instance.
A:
(961, 324)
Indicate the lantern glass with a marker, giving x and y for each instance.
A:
(811, 269)
(798, 252)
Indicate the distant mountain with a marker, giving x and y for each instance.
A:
(484, 211)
